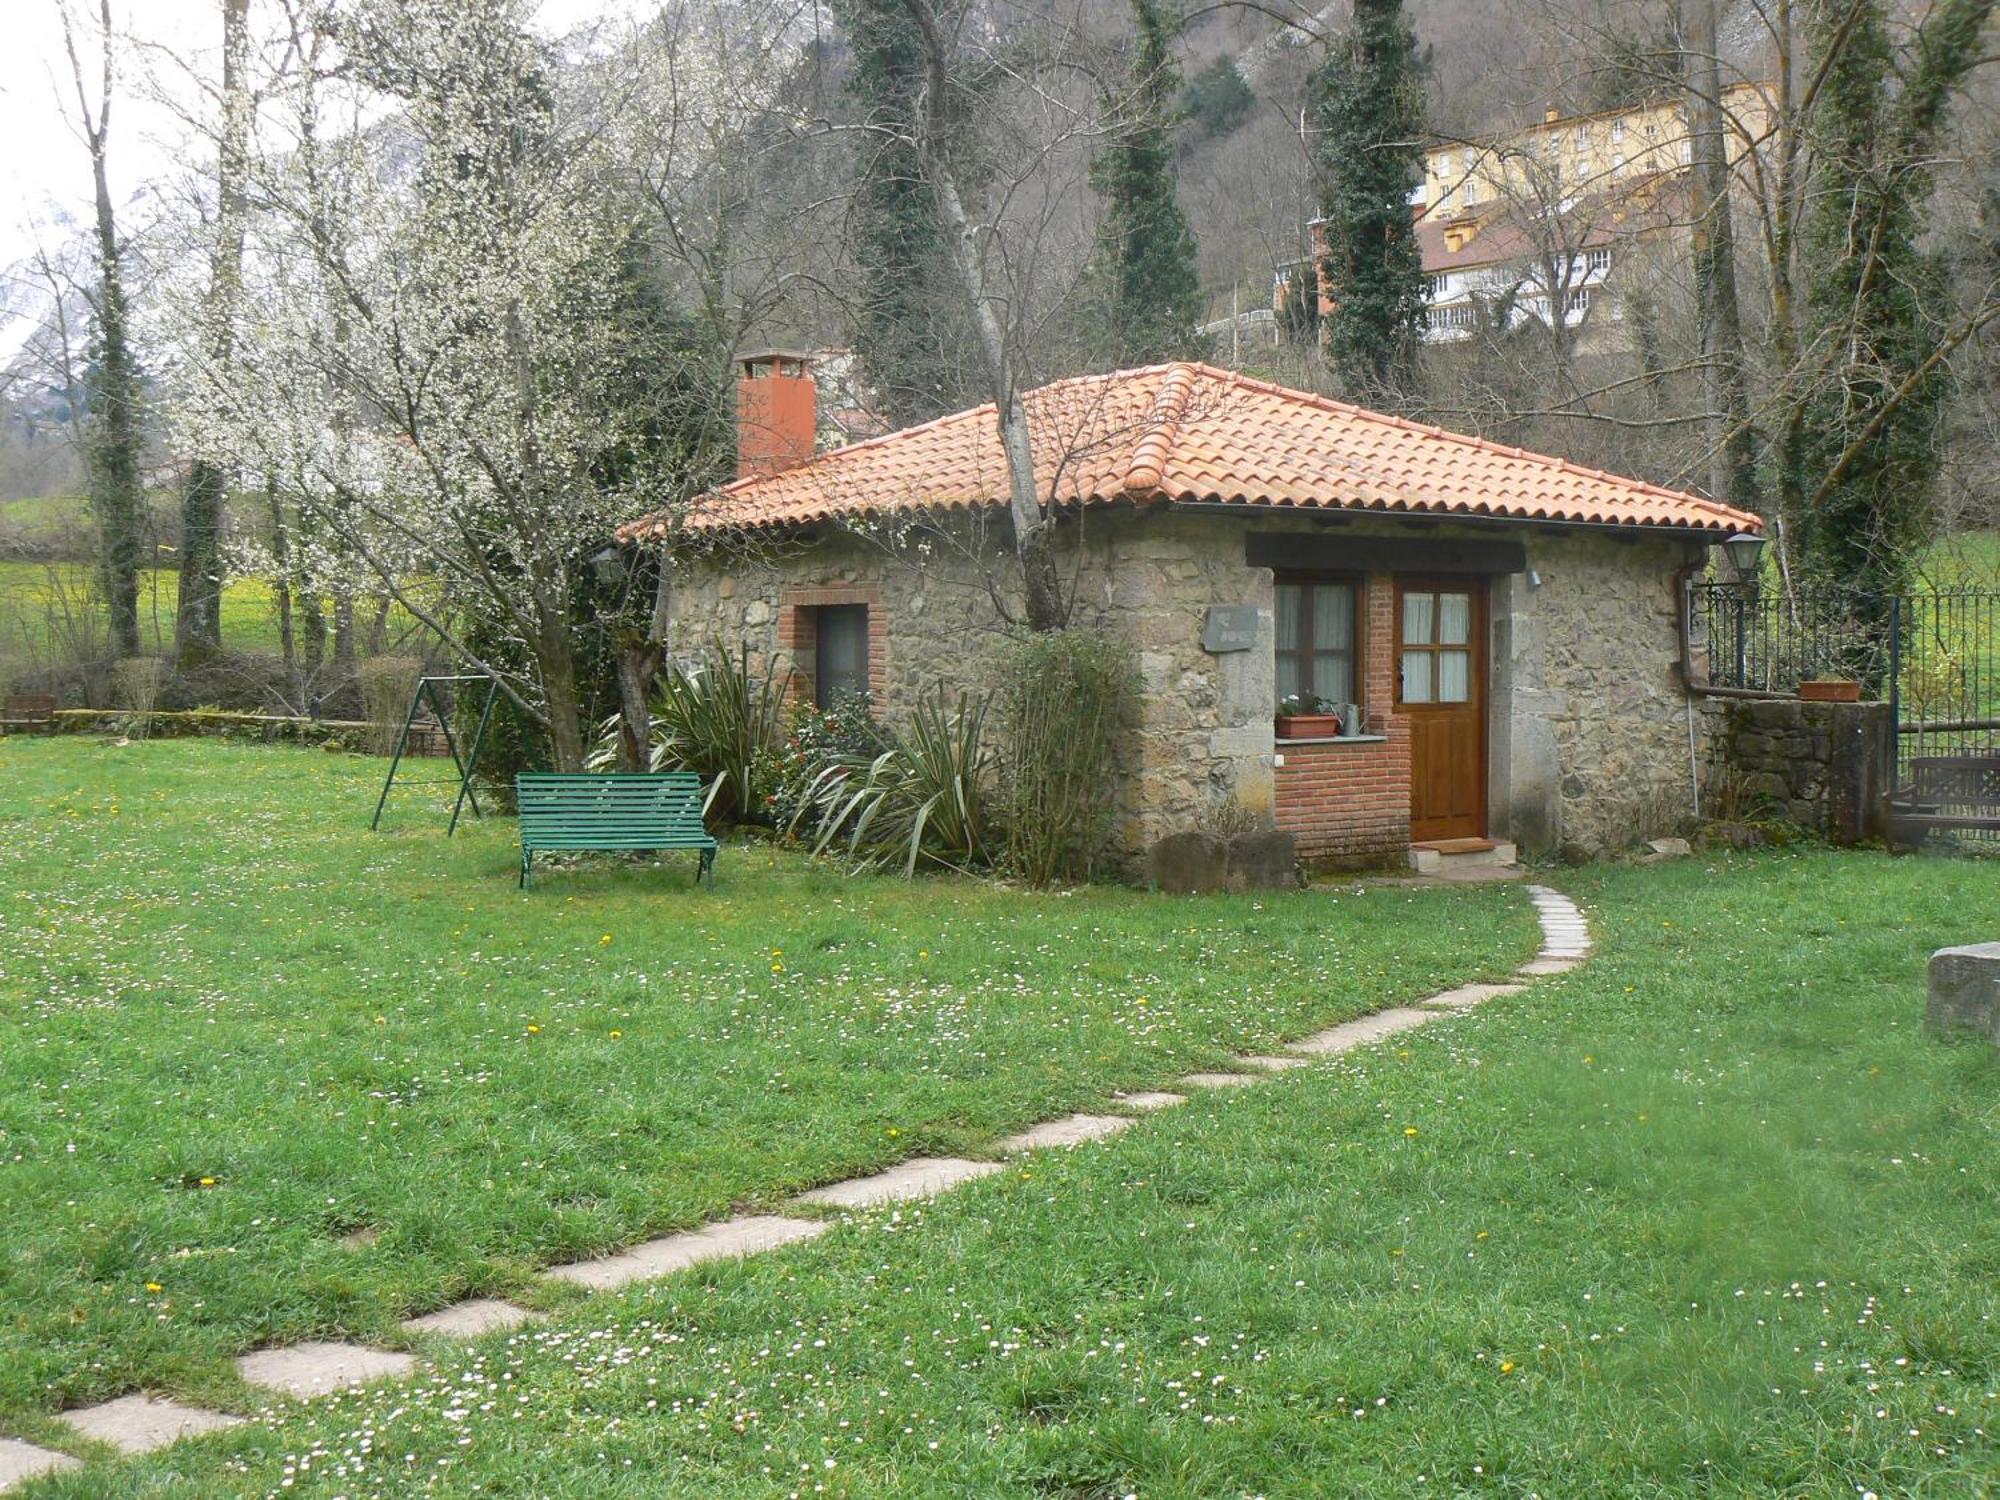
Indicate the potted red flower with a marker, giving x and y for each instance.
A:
(1307, 716)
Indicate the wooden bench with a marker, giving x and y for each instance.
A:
(1947, 791)
(28, 713)
(634, 810)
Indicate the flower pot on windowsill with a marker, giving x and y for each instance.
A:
(1830, 690)
(1308, 726)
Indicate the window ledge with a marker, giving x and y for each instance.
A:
(1334, 739)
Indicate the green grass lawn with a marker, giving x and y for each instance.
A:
(240, 1029)
(29, 595)
(1706, 1217)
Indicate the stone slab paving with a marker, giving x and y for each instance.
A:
(472, 1317)
(1543, 966)
(920, 1177)
(308, 1370)
(1272, 1064)
(23, 1461)
(1468, 995)
(141, 1423)
(1218, 1080)
(1071, 1130)
(729, 1240)
(1360, 1032)
(1149, 1100)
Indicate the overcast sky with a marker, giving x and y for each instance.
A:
(44, 170)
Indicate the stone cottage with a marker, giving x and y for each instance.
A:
(1504, 631)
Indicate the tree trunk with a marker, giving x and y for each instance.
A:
(346, 663)
(1733, 448)
(555, 662)
(312, 615)
(198, 621)
(281, 594)
(112, 452)
(1041, 586)
(639, 659)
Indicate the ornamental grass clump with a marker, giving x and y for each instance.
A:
(1066, 703)
(720, 721)
(920, 801)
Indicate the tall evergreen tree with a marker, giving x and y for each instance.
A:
(1366, 103)
(1143, 289)
(899, 249)
(1871, 428)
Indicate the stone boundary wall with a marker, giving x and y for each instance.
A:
(1827, 767)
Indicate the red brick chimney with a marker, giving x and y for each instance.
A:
(777, 412)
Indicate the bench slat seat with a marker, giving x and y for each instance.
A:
(1947, 791)
(627, 810)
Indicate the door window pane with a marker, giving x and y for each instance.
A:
(1454, 676)
(840, 651)
(1418, 618)
(1416, 677)
(1454, 619)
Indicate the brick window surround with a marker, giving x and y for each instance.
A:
(1352, 801)
(796, 636)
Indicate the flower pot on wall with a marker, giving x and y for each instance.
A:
(1830, 690)
(1308, 726)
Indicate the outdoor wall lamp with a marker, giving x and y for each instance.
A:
(608, 563)
(1743, 549)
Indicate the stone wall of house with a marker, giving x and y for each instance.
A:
(1590, 738)
(1589, 730)
(1828, 767)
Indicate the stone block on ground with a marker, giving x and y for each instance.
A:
(1542, 966)
(729, 1240)
(23, 1461)
(1188, 864)
(1271, 1064)
(1262, 861)
(1669, 848)
(1218, 1080)
(140, 1423)
(1071, 1130)
(470, 1318)
(1964, 998)
(921, 1177)
(319, 1369)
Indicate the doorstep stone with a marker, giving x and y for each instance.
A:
(20, 1461)
(470, 1318)
(1073, 1130)
(308, 1370)
(1359, 1033)
(729, 1240)
(920, 1177)
(140, 1423)
(1218, 1080)
(1272, 1064)
(1149, 1100)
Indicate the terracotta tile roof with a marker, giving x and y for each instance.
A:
(1193, 433)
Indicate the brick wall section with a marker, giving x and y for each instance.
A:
(1352, 802)
(796, 639)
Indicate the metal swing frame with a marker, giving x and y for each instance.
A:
(428, 687)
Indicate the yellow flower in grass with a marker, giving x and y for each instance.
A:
(1506, 1367)
(1409, 1132)
(534, 1030)
(154, 1286)
(603, 940)
(208, 1182)
(615, 1034)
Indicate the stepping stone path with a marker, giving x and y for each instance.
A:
(1072, 1130)
(307, 1370)
(140, 1424)
(729, 1240)
(470, 1318)
(19, 1461)
(920, 1177)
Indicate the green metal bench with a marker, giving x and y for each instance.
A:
(633, 810)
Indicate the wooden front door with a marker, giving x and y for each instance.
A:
(1441, 691)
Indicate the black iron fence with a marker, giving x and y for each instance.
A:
(1934, 655)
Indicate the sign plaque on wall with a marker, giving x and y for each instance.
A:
(1229, 627)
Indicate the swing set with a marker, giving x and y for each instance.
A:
(437, 690)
